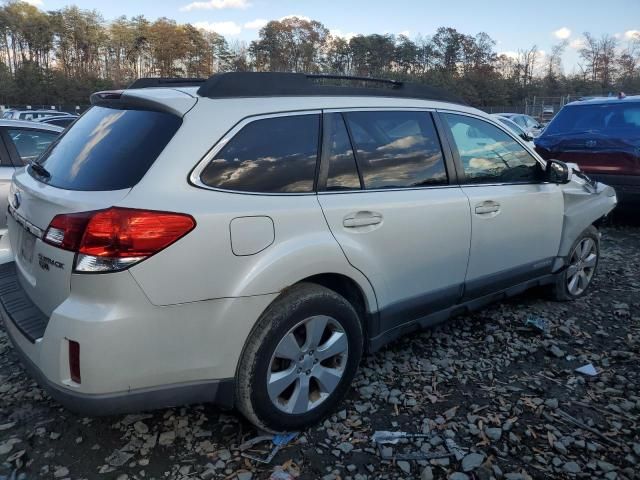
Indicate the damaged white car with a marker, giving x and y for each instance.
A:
(245, 238)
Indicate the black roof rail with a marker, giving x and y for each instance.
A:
(150, 82)
(275, 84)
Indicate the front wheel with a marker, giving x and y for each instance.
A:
(299, 360)
(576, 279)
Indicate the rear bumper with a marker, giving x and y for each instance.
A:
(133, 355)
(627, 187)
(220, 392)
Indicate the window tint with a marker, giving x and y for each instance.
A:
(343, 174)
(490, 155)
(397, 149)
(30, 144)
(108, 148)
(272, 155)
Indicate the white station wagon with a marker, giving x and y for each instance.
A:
(245, 238)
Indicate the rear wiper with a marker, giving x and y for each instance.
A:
(40, 170)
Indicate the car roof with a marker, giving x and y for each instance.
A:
(606, 100)
(5, 122)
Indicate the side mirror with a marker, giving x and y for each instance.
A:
(557, 172)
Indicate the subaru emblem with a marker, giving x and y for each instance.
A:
(16, 200)
(590, 143)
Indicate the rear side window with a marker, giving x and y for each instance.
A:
(30, 144)
(271, 155)
(109, 149)
(397, 149)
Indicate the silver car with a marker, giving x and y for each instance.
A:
(244, 239)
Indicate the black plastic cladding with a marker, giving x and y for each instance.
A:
(266, 84)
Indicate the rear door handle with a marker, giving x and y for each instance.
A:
(362, 219)
(487, 207)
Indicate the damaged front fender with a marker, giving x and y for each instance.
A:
(585, 202)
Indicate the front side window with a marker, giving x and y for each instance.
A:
(396, 149)
(30, 144)
(489, 155)
(271, 155)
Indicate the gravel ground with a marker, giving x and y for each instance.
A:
(505, 393)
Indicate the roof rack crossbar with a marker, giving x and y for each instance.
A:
(280, 84)
(150, 82)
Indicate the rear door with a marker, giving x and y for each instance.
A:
(516, 216)
(391, 207)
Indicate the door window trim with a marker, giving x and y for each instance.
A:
(194, 177)
(447, 158)
(462, 180)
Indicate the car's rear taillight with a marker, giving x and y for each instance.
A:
(116, 238)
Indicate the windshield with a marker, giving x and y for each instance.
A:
(610, 119)
(107, 149)
(514, 127)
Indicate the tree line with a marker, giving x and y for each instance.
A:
(61, 56)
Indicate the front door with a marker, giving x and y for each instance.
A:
(516, 217)
(392, 210)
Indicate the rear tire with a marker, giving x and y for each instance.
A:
(583, 260)
(299, 360)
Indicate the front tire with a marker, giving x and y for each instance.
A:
(299, 359)
(583, 259)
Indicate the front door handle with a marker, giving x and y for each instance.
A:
(487, 207)
(362, 219)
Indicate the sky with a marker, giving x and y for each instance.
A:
(512, 24)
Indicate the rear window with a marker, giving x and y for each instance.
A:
(108, 149)
(615, 119)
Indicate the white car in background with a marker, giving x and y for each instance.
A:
(244, 239)
(20, 143)
(526, 122)
(515, 128)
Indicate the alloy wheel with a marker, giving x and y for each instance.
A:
(307, 365)
(582, 266)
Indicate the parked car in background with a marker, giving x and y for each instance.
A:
(526, 122)
(30, 115)
(244, 239)
(547, 115)
(20, 143)
(601, 135)
(514, 127)
(61, 121)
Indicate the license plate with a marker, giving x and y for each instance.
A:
(26, 247)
